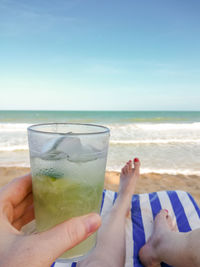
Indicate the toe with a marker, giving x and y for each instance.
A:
(175, 227)
(137, 165)
(127, 168)
(124, 170)
(162, 215)
(130, 165)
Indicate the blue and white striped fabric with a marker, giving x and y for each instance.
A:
(139, 225)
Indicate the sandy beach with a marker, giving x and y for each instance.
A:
(149, 182)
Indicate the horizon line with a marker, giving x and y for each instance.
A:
(105, 110)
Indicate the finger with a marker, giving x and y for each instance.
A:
(17, 190)
(27, 217)
(21, 208)
(54, 242)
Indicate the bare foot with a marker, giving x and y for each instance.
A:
(128, 180)
(129, 177)
(163, 224)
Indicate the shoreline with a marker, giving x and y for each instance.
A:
(149, 182)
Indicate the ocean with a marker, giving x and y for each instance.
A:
(165, 141)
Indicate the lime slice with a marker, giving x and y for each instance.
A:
(51, 173)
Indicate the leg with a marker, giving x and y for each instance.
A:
(169, 246)
(110, 248)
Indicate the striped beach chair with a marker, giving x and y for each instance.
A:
(139, 225)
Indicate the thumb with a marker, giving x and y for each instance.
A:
(54, 242)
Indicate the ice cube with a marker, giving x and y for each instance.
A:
(86, 153)
(51, 145)
(60, 147)
(49, 151)
(76, 152)
(69, 147)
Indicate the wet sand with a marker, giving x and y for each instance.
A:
(149, 182)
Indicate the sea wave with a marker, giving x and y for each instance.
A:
(162, 171)
(184, 172)
(14, 148)
(24, 147)
(13, 136)
(171, 171)
(18, 127)
(155, 141)
(14, 127)
(15, 164)
(156, 126)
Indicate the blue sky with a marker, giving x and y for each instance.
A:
(100, 55)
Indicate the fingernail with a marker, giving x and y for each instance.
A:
(166, 210)
(92, 222)
(136, 160)
(129, 160)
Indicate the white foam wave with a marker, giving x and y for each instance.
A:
(156, 126)
(170, 126)
(154, 141)
(14, 127)
(23, 147)
(162, 171)
(171, 171)
(142, 171)
(13, 148)
(22, 127)
(15, 164)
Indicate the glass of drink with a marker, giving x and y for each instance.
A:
(68, 163)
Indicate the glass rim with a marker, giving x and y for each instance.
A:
(32, 128)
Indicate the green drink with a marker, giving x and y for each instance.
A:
(68, 180)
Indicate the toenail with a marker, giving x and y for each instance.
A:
(166, 210)
(136, 160)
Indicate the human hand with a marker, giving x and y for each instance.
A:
(41, 249)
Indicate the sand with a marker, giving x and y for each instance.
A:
(153, 182)
(149, 182)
